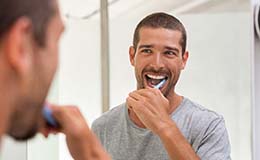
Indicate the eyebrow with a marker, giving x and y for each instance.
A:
(172, 48)
(145, 46)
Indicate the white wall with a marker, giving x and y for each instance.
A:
(217, 74)
(80, 73)
(9, 147)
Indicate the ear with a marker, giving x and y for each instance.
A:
(18, 46)
(132, 55)
(185, 58)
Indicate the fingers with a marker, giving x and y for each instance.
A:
(145, 96)
(70, 119)
(151, 99)
(44, 127)
(64, 113)
(148, 93)
(81, 142)
(140, 105)
(136, 95)
(131, 102)
(45, 131)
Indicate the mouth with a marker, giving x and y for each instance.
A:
(153, 80)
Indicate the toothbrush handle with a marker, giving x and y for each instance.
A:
(50, 120)
(158, 86)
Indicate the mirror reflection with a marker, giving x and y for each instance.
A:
(214, 73)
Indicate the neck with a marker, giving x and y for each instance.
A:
(174, 101)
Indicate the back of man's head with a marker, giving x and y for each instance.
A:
(27, 62)
(161, 20)
(38, 12)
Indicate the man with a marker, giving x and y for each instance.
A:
(29, 35)
(159, 124)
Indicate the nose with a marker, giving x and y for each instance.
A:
(157, 61)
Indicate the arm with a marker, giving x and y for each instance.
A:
(144, 103)
(81, 141)
(213, 146)
(175, 143)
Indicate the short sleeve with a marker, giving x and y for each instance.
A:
(96, 128)
(215, 143)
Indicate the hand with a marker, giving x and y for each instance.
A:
(81, 142)
(151, 107)
(153, 110)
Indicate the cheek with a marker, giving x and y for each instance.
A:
(176, 68)
(54, 65)
(53, 54)
(139, 68)
(55, 59)
(140, 62)
(50, 63)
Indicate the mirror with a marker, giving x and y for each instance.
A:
(218, 72)
(217, 75)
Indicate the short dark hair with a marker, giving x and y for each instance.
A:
(161, 20)
(38, 11)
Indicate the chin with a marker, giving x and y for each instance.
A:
(23, 136)
(24, 125)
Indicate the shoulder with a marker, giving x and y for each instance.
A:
(209, 134)
(199, 112)
(198, 118)
(109, 117)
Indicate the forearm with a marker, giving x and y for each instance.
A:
(97, 151)
(93, 150)
(175, 143)
(82, 142)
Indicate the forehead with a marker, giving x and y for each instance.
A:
(159, 35)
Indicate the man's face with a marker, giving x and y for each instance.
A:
(158, 56)
(27, 116)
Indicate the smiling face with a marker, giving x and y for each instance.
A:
(158, 56)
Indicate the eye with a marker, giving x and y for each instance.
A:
(170, 53)
(146, 51)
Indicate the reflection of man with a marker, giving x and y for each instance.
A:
(158, 124)
(29, 35)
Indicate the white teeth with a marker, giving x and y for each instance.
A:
(155, 77)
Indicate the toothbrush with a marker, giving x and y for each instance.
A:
(47, 114)
(158, 86)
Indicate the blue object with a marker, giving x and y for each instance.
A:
(158, 86)
(47, 114)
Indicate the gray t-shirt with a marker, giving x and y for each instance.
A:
(204, 129)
